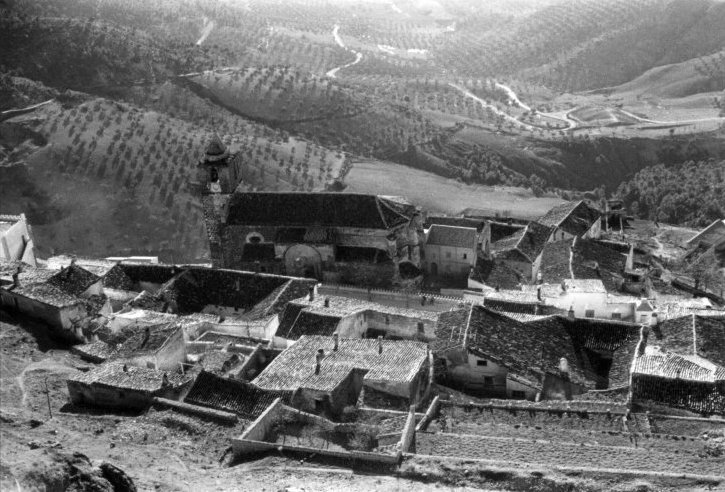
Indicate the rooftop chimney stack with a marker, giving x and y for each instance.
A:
(336, 339)
(73, 261)
(380, 344)
(318, 360)
(16, 278)
(571, 312)
(327, 302)
(538, 293)
(312, 294)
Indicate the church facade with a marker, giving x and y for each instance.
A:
(344, 238)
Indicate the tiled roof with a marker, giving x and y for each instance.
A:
(399, 363)
(133, 378)
(74, 280)
(512, 306)
(500, 230)
(47, 294)
(258, 293)
(450, 331)
(691, 332)
(529, 241)
(591, 259)
(477, 224)
(555, 262)
(96, 266)
(147, 341)
(305, 317)
(219, 361)
(99, 351)
(314, 209)
(675, 366)
(496, 274)
(124, 276)
(573, 217)
(458, 237)
(232, 395)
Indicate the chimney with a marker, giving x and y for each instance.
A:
(318, 360)
(563, 285)
(654, 319)
(327, 302)
(312, 294)
(564, 365)
(538, 293)
(73, 261)
(16, 278)
(336, 339)
(165, 380)
(571, 312)
(380, 344)
(125, 368)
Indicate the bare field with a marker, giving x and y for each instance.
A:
(439, 194)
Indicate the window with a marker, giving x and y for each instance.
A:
(488, 381)
(616, 315)
(465, 256)
(481, 363)
(589, 313)
(519, 395)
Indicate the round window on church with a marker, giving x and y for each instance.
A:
(255, 238)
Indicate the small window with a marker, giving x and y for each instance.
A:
(488, 381)
(481, 363)
(519, 395)
(589, 313)
(319, 405)
(616, 315)
(465, 256)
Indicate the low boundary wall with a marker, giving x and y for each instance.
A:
(231, 418)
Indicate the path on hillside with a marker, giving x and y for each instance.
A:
(206, 30)
(512, 96)
(493, 108)
(358, 56)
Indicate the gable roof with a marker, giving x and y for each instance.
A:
(232, 395)
(529, 241)
(149, 340)
(496, 274)
(73, 279)
(399, 363)
(669, 365)
(122, 376)
(315, 209)
(692, 334)
(458, 237)
(710, 235)
(576, 218)
(304, 317)
(478, 224)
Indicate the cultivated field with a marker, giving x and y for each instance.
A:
(444, 195)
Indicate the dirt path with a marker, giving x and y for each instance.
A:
(493, 108)
(358, 55)
(512, 96)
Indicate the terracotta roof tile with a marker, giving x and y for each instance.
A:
(458, 237)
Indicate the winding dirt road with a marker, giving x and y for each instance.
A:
(358, 56)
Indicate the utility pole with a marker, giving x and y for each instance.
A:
(47, 395)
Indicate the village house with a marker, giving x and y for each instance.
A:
(482, 226)
(710, 236)
(487, 353)
(676, 380)
(16, 239)
(336, 237)
(329, 373)
(494, 274)
(352, 318)
(451, 251)
(67, 300)
(522, 251)
(117, 385)
(572, 219)
(161, 347)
